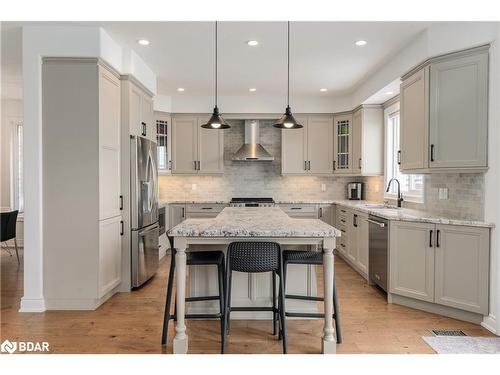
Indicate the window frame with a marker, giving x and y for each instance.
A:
(161, 116)
(16, 175)
(389, 111)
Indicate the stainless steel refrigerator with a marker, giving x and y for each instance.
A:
(143, 209)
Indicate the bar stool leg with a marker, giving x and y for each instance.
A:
(229, 279)
(221, 305)
(337, 314)
(282, 313)
(275, 314)
(170, 286)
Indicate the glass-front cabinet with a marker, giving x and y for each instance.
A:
(163, 137)
(343, 143)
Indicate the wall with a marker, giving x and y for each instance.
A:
(465, 195)
(252, 179)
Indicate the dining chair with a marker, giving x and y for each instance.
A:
(8, 230)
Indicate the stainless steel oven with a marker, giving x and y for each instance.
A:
(378, 250)
(162, 220)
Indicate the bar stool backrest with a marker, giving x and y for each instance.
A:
(254, 256)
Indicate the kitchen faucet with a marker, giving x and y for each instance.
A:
(400, 196)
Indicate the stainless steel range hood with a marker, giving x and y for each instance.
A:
(252, 150)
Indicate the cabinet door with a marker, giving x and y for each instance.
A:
(462, 267)
(210, 150)
(109, 145)
(320, 145)
(458, 112)
(110, 254)
(163, 141)
(412, 260)
(177, 214)
(414, 121)
(326, 213)
(184, 145)
(352, 237)
(343, 143)
(362, 242)
(357, 128)
(147, 117)
(294, 149)
(135, 110)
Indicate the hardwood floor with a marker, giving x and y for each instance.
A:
(132, 322)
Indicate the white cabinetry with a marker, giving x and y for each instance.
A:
(163, 123)
(308, 150)
(82, 205)
(196, 150)
(444, 264)
(444, 114)
(138, 108)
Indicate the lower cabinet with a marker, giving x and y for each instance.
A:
(353, 243)
(443, 264)
(177, 214)
(110, 254)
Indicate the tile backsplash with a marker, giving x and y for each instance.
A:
(465, 195)
(252, 179)
(263, 179)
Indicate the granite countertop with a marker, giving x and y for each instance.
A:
(254, 222)
(407, 214)
(390, 213)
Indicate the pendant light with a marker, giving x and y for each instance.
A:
(287, 121)
(216, 121)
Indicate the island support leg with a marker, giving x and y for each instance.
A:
(180, 339)
(328, 342)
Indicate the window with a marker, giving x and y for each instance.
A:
(17, 166)
(162, 146)
(412, 185)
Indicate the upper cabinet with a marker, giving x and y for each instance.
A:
(164, 141)
(308, 150)
(359, 142)
(138, 111)
(196, 150)
(444, 114)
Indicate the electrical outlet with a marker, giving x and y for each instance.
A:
(443, 193)
(194, 186)
(323, 187)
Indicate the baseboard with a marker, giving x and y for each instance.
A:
(437, 309)
(30, 305)
(490, 323)
(78, 303)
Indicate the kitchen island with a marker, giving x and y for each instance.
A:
(254, 224)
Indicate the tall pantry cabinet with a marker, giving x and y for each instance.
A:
(81, 182)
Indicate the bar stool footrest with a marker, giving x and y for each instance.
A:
(305, 298)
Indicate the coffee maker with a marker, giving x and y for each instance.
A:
(354, 190)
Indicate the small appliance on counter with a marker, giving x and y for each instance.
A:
(354, 190)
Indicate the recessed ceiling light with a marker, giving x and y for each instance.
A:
(143, 42)
(180, 89)
(252, 43)
(323, 90)
(252, 89)
(361, 42)
(389, 93)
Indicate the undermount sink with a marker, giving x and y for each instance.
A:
(381, 206)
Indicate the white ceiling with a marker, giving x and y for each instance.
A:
(323, 54)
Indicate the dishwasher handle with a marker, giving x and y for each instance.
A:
(381, 225)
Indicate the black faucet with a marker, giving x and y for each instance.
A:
(400, 196)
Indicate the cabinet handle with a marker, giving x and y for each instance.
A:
(437, 238)
(309, 165)
(359, 163)
(296, 208)
(305, 165)
(170, 164)
(207, 208)
(334, 165)
(194, 163)
(321, 212)
(121, 228)
(183, 212)
(199, 165)
(399, 157)
(143, 129)
(121, 202)
(432, 152)
(355, 221)
(430, 238)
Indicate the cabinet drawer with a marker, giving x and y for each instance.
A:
(298, 208)
(204, 208)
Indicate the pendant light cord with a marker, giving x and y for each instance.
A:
(288, 66)
(216, 63)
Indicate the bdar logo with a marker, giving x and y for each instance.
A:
(8, 347)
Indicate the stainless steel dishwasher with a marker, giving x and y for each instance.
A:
(378, 250)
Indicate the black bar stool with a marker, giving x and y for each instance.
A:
(256, 257)
(8, 223)
(311, 258)
(197, 258)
